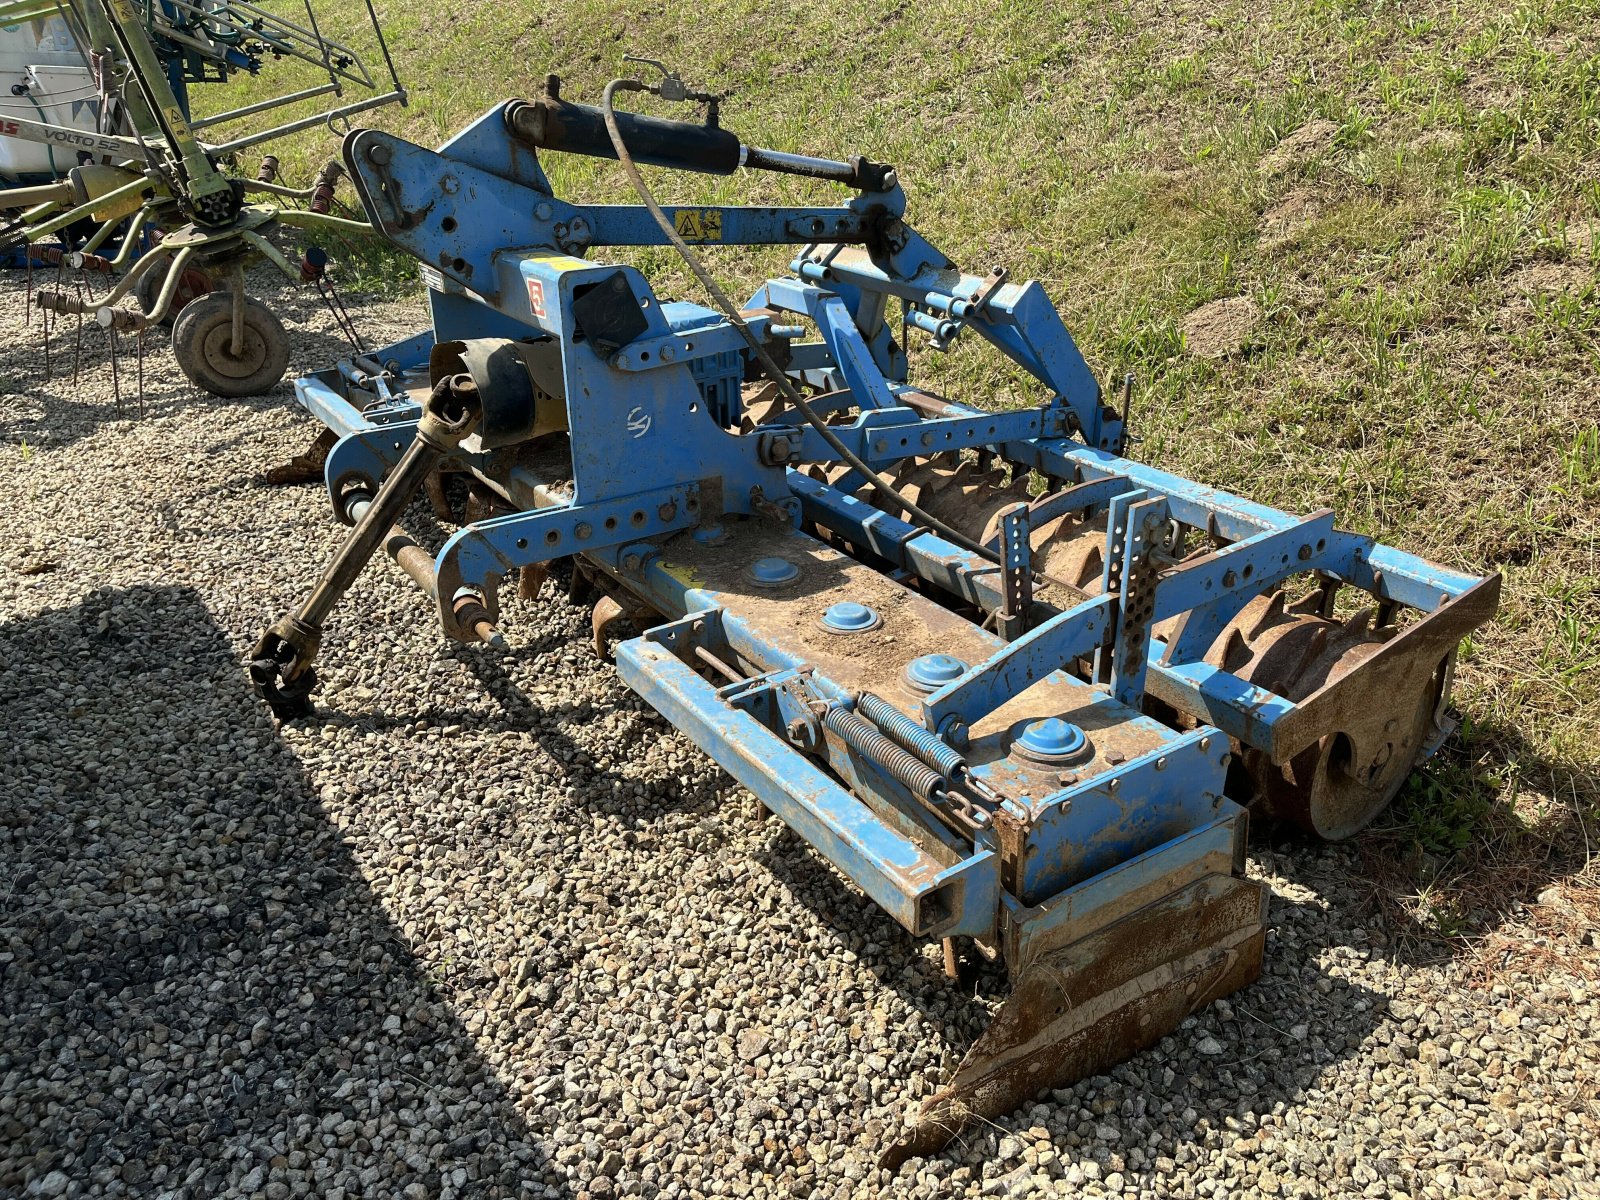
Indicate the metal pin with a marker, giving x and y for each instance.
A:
(116, 381)
(1127, 404)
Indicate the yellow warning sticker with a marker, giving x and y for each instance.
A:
(683, 573)
(698, 224)
(563, 262)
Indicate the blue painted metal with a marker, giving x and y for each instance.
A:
(923, 894)
(1216, 848)
(990, 775)
(1014, 668)
(1053, 739)
(849, 617)
(932, 671)
(772, 572)
(1003, 788)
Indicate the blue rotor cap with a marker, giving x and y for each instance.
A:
(932, 671)
(1052, 739)
(849, 617)
(770, 572)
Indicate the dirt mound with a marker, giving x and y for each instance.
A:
(1303, 145)
(1580, 237)
(1222, 328)
(1526, 284)
(1285, 220)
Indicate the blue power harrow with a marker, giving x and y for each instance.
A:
(1016, 686)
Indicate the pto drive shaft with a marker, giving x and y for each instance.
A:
(280, 666)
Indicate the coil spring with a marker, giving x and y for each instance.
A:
(864, 737)
(929, 747)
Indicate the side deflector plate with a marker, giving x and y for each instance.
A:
(1084, 1008)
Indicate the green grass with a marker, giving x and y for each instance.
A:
(1427, 361)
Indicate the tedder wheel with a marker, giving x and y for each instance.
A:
(202, 342)
(192, 284)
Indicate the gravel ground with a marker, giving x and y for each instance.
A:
(493, 928)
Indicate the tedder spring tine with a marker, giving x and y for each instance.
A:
(116, 380)
(44, 325)
(77, 341)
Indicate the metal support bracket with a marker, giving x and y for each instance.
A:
(1017, 572)
(479, 555)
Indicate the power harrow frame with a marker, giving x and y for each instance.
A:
(1019, 725)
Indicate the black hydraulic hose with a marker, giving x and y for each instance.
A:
(768, 364)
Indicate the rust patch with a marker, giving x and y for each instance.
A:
(1083, 1009)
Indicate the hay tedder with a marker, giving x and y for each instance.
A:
(166, 206)
(1015, 685)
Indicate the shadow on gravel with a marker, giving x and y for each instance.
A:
(199, 995)
(1489, 835)
(58, 411)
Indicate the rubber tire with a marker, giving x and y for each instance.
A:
(200, 338)
(148, 290)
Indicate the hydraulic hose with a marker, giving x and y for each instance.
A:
(768, 364)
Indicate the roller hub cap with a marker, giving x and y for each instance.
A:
(850, 617)
(1052, 740)
(932, 671)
